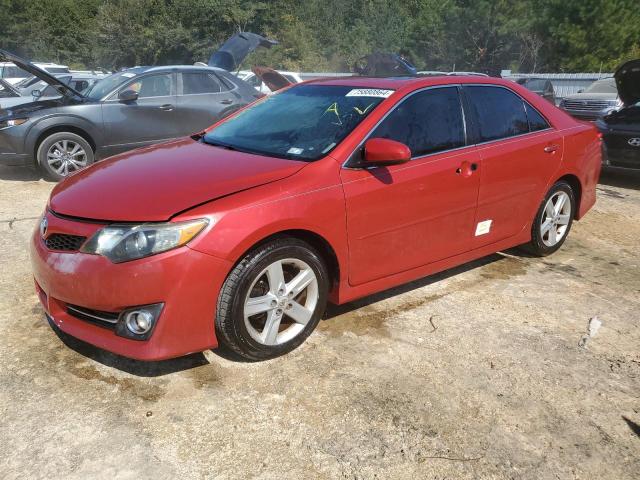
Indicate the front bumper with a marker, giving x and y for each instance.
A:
(12, 149)
(186, 281)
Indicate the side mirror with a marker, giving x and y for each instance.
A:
(382, 151)
(128, 96)
(580, 91)
(36, 93)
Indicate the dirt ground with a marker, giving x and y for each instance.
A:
(475, 373)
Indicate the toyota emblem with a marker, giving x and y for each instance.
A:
(634, 142)
(43, 227)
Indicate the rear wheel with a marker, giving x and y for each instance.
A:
(62, 154)
(553, 220)
(272, 300)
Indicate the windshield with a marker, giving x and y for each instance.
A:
(108, 84)
(608, 85)
(301, 123)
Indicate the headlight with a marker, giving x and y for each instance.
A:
(12, 122)
(121, 243)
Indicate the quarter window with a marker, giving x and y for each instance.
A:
(500, 113)
(196, 83)
(427, 122)
(536, 121)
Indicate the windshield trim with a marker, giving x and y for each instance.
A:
(323, 154)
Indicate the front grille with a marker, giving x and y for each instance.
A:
(586, 105)
(63, 242)
(98, 317)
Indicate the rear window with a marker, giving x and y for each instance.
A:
(14, 72)
(198, 83)
(500, 113)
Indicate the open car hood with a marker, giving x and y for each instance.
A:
(38, 72)
(384, 65)
(628, 82)
(272, 79)
(152, 184)
(232, 52)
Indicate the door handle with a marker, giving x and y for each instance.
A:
(551, 148)
(167, 107)
(466, 169)
(226, 102)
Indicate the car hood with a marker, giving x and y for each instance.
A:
(38, 72)
(585, 96)
(628, 82)
(25, 106)
(153, 184)
(272, 79)
(232, 52)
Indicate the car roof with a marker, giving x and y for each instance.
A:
(396, 83)
(169, 68)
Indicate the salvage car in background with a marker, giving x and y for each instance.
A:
(257, 81)
(540, 86)
(126, 110)
(600, 98)
(327, 190)
(12, 73)
(621, 128)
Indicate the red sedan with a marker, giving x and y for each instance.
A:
(327, 191)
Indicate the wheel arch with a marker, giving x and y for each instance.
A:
(576, 186)
(58, 129)
(320, 243)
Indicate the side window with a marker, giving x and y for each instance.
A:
(226, 84)
(152, 86)
(499, 112)
(195, 83)
(536, 121)
(427, 122)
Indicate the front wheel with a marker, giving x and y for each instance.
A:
(553, 220)
(62, 154)
(272, 300)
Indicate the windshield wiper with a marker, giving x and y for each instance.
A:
(216, 144)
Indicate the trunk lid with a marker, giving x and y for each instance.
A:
(272, 79)
(232, 52)
(628, 82)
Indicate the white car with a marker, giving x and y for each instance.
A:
(255, 81)
(13, 74)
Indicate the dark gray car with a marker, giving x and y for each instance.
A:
(126, 110)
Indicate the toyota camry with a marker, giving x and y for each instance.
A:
(327, 191)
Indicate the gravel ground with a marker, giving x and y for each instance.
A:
(472, 373)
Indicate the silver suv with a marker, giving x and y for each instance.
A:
(600, 98)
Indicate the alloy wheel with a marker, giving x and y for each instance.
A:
(66, 156)
(556, 218)
(281, 301)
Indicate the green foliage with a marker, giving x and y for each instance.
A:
(321, 35)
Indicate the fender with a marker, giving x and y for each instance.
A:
(56, 120)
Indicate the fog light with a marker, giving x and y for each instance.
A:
(138, 322)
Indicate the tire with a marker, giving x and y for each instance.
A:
(73, 151)
(550, 228)
(251, 287)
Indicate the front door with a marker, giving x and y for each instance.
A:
(404, 216)
(150, 119)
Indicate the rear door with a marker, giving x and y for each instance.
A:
(519, 151)
(404, 216)
(149, 119)
(202, 99)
